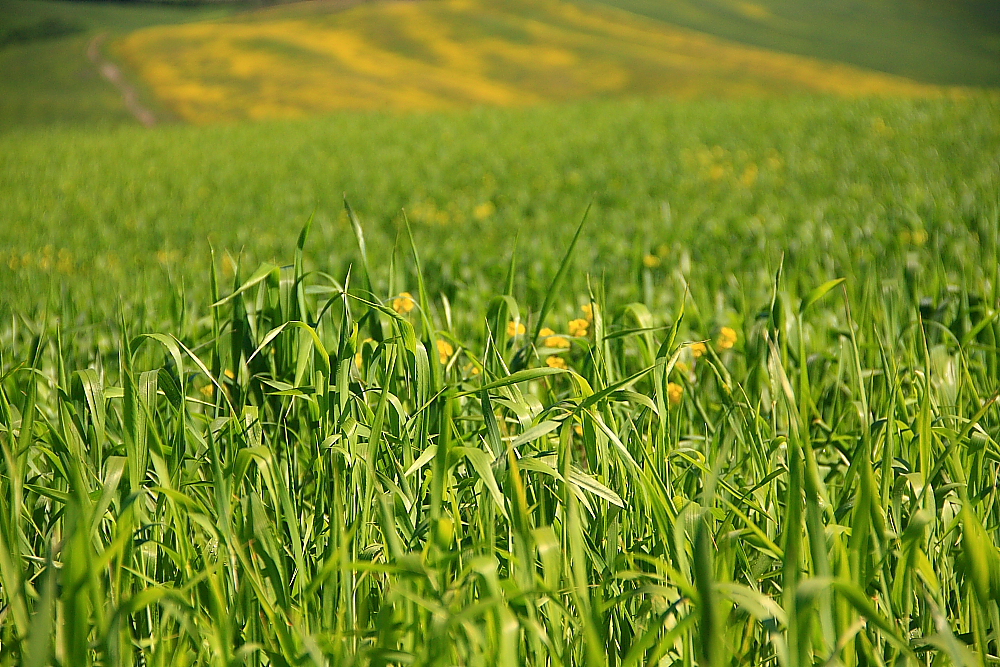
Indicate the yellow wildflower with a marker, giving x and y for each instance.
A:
(698, 349)
(471, 369)
(515, 328)
(651, 261)
(445, 350)
(577, 429)
(588, 309)
(674, 393)
(546, 332)
(484, 210)
(403, 303)
(555, 362)
(683, 368)
(578, 327)
(208, 390)
(919, 237)
(557, 341)
(727, 338)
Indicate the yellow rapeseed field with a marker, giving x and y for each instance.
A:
(438, 54)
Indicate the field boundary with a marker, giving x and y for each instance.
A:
(113, 74)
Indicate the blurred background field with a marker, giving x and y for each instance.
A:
(302, 58)
(928, 40)
(47, 77)
(459, 53)
(722, 187)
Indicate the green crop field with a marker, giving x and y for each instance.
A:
(671, 436)
(615, 382)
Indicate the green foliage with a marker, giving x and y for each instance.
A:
(771, 440)
(46, 28)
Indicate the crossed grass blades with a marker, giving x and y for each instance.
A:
(320, 473)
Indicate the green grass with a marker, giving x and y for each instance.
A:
(47, 78)
(293, 465)
(129, 205)
(936, 41)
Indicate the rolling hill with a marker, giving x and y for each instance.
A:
(951, 42)
(300, 60)
(46, 77)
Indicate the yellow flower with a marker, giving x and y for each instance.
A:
(403, 303)
(674, 392)
(546, 332)
(484, 210)
(577, 429)
(651, 261)
(727, 338)
(919, 237)
(445, 350)
(557, 341)
(515, 328)
(588, 308)
(682, 367)
(698, 349)
(555, 362)
(578, 327)
(470, 369)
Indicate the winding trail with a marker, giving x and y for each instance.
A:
(112, 73)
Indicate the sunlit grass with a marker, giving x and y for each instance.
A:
(744, 415)
(320, 474)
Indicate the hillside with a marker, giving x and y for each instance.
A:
(46, 77)
(299, 60)
(954, 42)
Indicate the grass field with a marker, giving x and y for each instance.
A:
(47, 78)
(668, 437)
(946, 42)
(457, 53)
(482, 376)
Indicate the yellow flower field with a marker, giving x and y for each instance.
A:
(456, 53)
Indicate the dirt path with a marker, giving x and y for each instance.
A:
(112, 73)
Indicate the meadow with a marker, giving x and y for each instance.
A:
(744, 413)
(600, 378)
(300, 60)
(47, 79)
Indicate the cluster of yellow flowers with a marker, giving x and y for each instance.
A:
(46, 260)
(557, 343)
(578, 328)
(725, 341)
(445, 350)
(403, 303)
